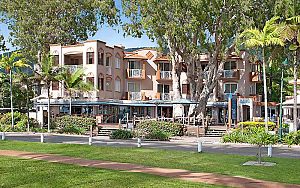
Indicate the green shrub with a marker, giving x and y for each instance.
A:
(235, 137)
(121, 134)
(271, 125)
(292, 138)
(73, 124)
(20, 122)
(146, 127)
(158, 135)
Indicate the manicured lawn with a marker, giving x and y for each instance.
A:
(29, 173)
(286, 170)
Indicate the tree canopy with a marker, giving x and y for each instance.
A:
(36, 24)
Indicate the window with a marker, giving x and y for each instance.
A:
(107, 63)
(90, 80)
(118, 63)
(90, 57)
(230, 88)
(100, 58)
(118, 85)
(133, 87)
(186, 89)
(134, 65)
(230, 65)
(55, 85)
(101, 83)
(74, 61)
(162, 88)
(55, 60)
(108, 84)
(164, 66)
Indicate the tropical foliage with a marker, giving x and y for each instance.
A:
(20, 123)
(121, 134)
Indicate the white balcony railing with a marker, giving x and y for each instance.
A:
(72, 68)
(230, 73)
(166, 96)
(135, 73)
(135, 95)
(165, 75)
(108, 70)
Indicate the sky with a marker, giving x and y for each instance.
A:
(108, 34)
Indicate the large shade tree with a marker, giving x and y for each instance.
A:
(190, 28)
(36, 24)
(10, 63)
(73, 82)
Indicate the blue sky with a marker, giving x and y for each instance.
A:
(105, 33)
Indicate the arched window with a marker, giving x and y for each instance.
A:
(55, 55)
(101, 82)
(118, 84)
(100, 56)
(118, 61)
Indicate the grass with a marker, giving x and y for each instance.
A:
(31, 173)
(286, 170)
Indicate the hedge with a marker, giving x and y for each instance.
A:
(158, 129)
(73, 124)
(121, 134)
(271, 125)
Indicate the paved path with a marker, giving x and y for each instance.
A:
(185, 144)
(208, 178)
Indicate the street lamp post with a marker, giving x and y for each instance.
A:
(281, 91)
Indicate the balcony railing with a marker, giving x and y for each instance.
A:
(230, 74)
(167, 75)
(164, 96)
(72, 68)
(134, 95)
(136, 73)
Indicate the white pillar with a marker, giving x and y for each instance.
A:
(199, 146)
(90, 140)
(269, 150)
(3, 135)
(42, 137)
(139, 142)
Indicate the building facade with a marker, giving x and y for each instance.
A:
(139, 83)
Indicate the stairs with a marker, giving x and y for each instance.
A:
(215, 132)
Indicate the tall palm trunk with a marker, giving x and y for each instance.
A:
(11, 99)
(294, 128)
(265, 90)
(27, 106)
(70, 104)
(48, 90)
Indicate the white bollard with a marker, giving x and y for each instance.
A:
(199, 146)
(90, 140)
(3, 135)
(42, 137)
(139, 142)
(269, 150)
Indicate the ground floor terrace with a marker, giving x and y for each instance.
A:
(115, 112)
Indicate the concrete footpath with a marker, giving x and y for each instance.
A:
(180, 174)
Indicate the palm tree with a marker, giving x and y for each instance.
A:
(291, 34)
(47, 74)
(261, 39)
(10, 64)
(73, 82)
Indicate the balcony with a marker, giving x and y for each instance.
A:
(73, 68)
(230, 75)
(164, 96)
(134, 96)
(163, 75)
(136, 73)
(255, 77)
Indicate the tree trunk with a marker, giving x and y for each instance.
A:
(11, 99)
(265, 91)
(48, 90)
(294, 128)
(259, 154)
(70, 105)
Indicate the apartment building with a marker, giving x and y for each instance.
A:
(139, 83)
